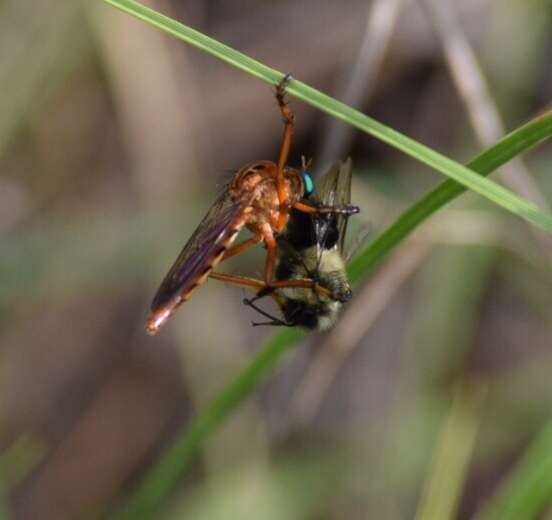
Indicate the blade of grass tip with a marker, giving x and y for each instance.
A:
(452, 455)
(527, 492)
(462, 174)
(165, 475)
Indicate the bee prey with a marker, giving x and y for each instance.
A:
(312, 247)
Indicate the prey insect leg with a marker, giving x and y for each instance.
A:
(273, 320)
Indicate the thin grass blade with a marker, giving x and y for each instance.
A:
(452, 169)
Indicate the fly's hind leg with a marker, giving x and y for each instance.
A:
(242, 247)
(262, 291)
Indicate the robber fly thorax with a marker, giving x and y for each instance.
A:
(260, 179)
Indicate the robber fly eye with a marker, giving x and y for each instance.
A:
(308, 183)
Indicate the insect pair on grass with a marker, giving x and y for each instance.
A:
(301, 227)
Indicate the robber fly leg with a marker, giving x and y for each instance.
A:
(289, 120)
(270, 261)
(239, 281)
(303, 283)
(243, 246)
(342, 210)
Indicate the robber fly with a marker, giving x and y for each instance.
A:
(259, 197)
(312, 247)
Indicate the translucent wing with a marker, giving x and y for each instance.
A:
(203, 251)
(323, 230)
(334, 189)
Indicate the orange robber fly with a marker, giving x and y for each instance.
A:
(260, 197)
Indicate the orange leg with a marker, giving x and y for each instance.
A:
(251, 283)
(241, 247)
(270, 261)
(267, 283)
(243, 281)
(259, 285)
(289, 119)
(305, 283)
(240, 281)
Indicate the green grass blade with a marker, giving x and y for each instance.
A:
(462, 174)
(485, 163)
(528, 490)
(3, 502)
(158, 484)
(452, 455)
(163, 477)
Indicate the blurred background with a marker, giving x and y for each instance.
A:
(115, 139)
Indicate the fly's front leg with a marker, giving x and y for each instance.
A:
(312, 210)
(289, 121)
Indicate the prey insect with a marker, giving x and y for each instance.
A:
(312, 247)
(259, 197)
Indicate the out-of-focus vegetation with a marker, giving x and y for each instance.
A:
(114, 139)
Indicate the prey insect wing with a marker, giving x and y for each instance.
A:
(202, 252)
(333, 189)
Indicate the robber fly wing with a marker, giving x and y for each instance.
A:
(203, 251)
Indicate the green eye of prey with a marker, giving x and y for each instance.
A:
(308, 183)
